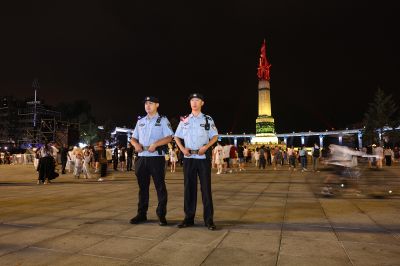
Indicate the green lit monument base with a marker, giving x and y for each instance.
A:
(265, 131)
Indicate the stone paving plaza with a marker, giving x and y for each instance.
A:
(263, 218)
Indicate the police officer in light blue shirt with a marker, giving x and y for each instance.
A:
(150, 137)
(199, 133)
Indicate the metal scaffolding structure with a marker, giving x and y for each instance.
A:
(49, 130)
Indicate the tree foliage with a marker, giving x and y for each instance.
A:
(382, 112)
(80, 112)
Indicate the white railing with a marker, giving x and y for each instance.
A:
(21, 158)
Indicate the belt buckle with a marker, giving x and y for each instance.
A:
(146, 148)
(194, 151)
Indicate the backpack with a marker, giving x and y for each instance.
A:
(316, 152)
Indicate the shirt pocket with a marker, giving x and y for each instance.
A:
(203, 135)
(142, 130)
(185, 130)
(157, 132)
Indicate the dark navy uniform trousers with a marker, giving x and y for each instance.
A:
(155, 167)
(191, 169)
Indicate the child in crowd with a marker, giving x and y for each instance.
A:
(86, 164)
(78, 165)
(173, 159)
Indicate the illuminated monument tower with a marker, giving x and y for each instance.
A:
(265, 125)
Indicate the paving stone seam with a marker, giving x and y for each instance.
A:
(18, 225)
(211, 244)
(334, 231)
(138, 237)
(254, 201)
(307, 225)
(219, 244)
(51, 249)
(69, 232)
(278, 255)
(369, 243)
(36, 225)
(157, 242)
(394, 234)
(358, 229)
(104, 257)
(146, 263)
(12, 251)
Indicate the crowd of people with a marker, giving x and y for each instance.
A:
(226, 158)
(81, 161)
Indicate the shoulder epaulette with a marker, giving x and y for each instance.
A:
(159, 118)
(184, 117)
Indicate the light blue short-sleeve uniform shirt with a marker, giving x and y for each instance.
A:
(192, 130)
(147, 131)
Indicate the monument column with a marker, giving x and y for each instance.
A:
(265, 124)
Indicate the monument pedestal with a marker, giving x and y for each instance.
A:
(265, 131)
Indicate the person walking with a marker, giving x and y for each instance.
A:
(46, 165)
(316, 154)
(102, 160)
(257, 157)
(115, 158)
(389, 155)
(303, 158)
(263, 159)
(129, 157)
(292, 158)
(64, 157)
(122, 158)
(86, 163)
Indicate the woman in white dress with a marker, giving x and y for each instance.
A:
(219, 157)
(256, 157)
(78, 165)
(173, 158)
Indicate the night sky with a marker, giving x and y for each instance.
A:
(328, 57)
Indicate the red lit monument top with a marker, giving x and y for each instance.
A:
(263, 68)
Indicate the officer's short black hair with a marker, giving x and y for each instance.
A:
(196, 95)
(150, 99)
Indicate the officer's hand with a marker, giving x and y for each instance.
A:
(202, 150)
(186, 152)
(138, 148)
(152, 148)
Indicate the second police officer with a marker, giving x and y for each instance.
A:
(199, 133)
(150, 136)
